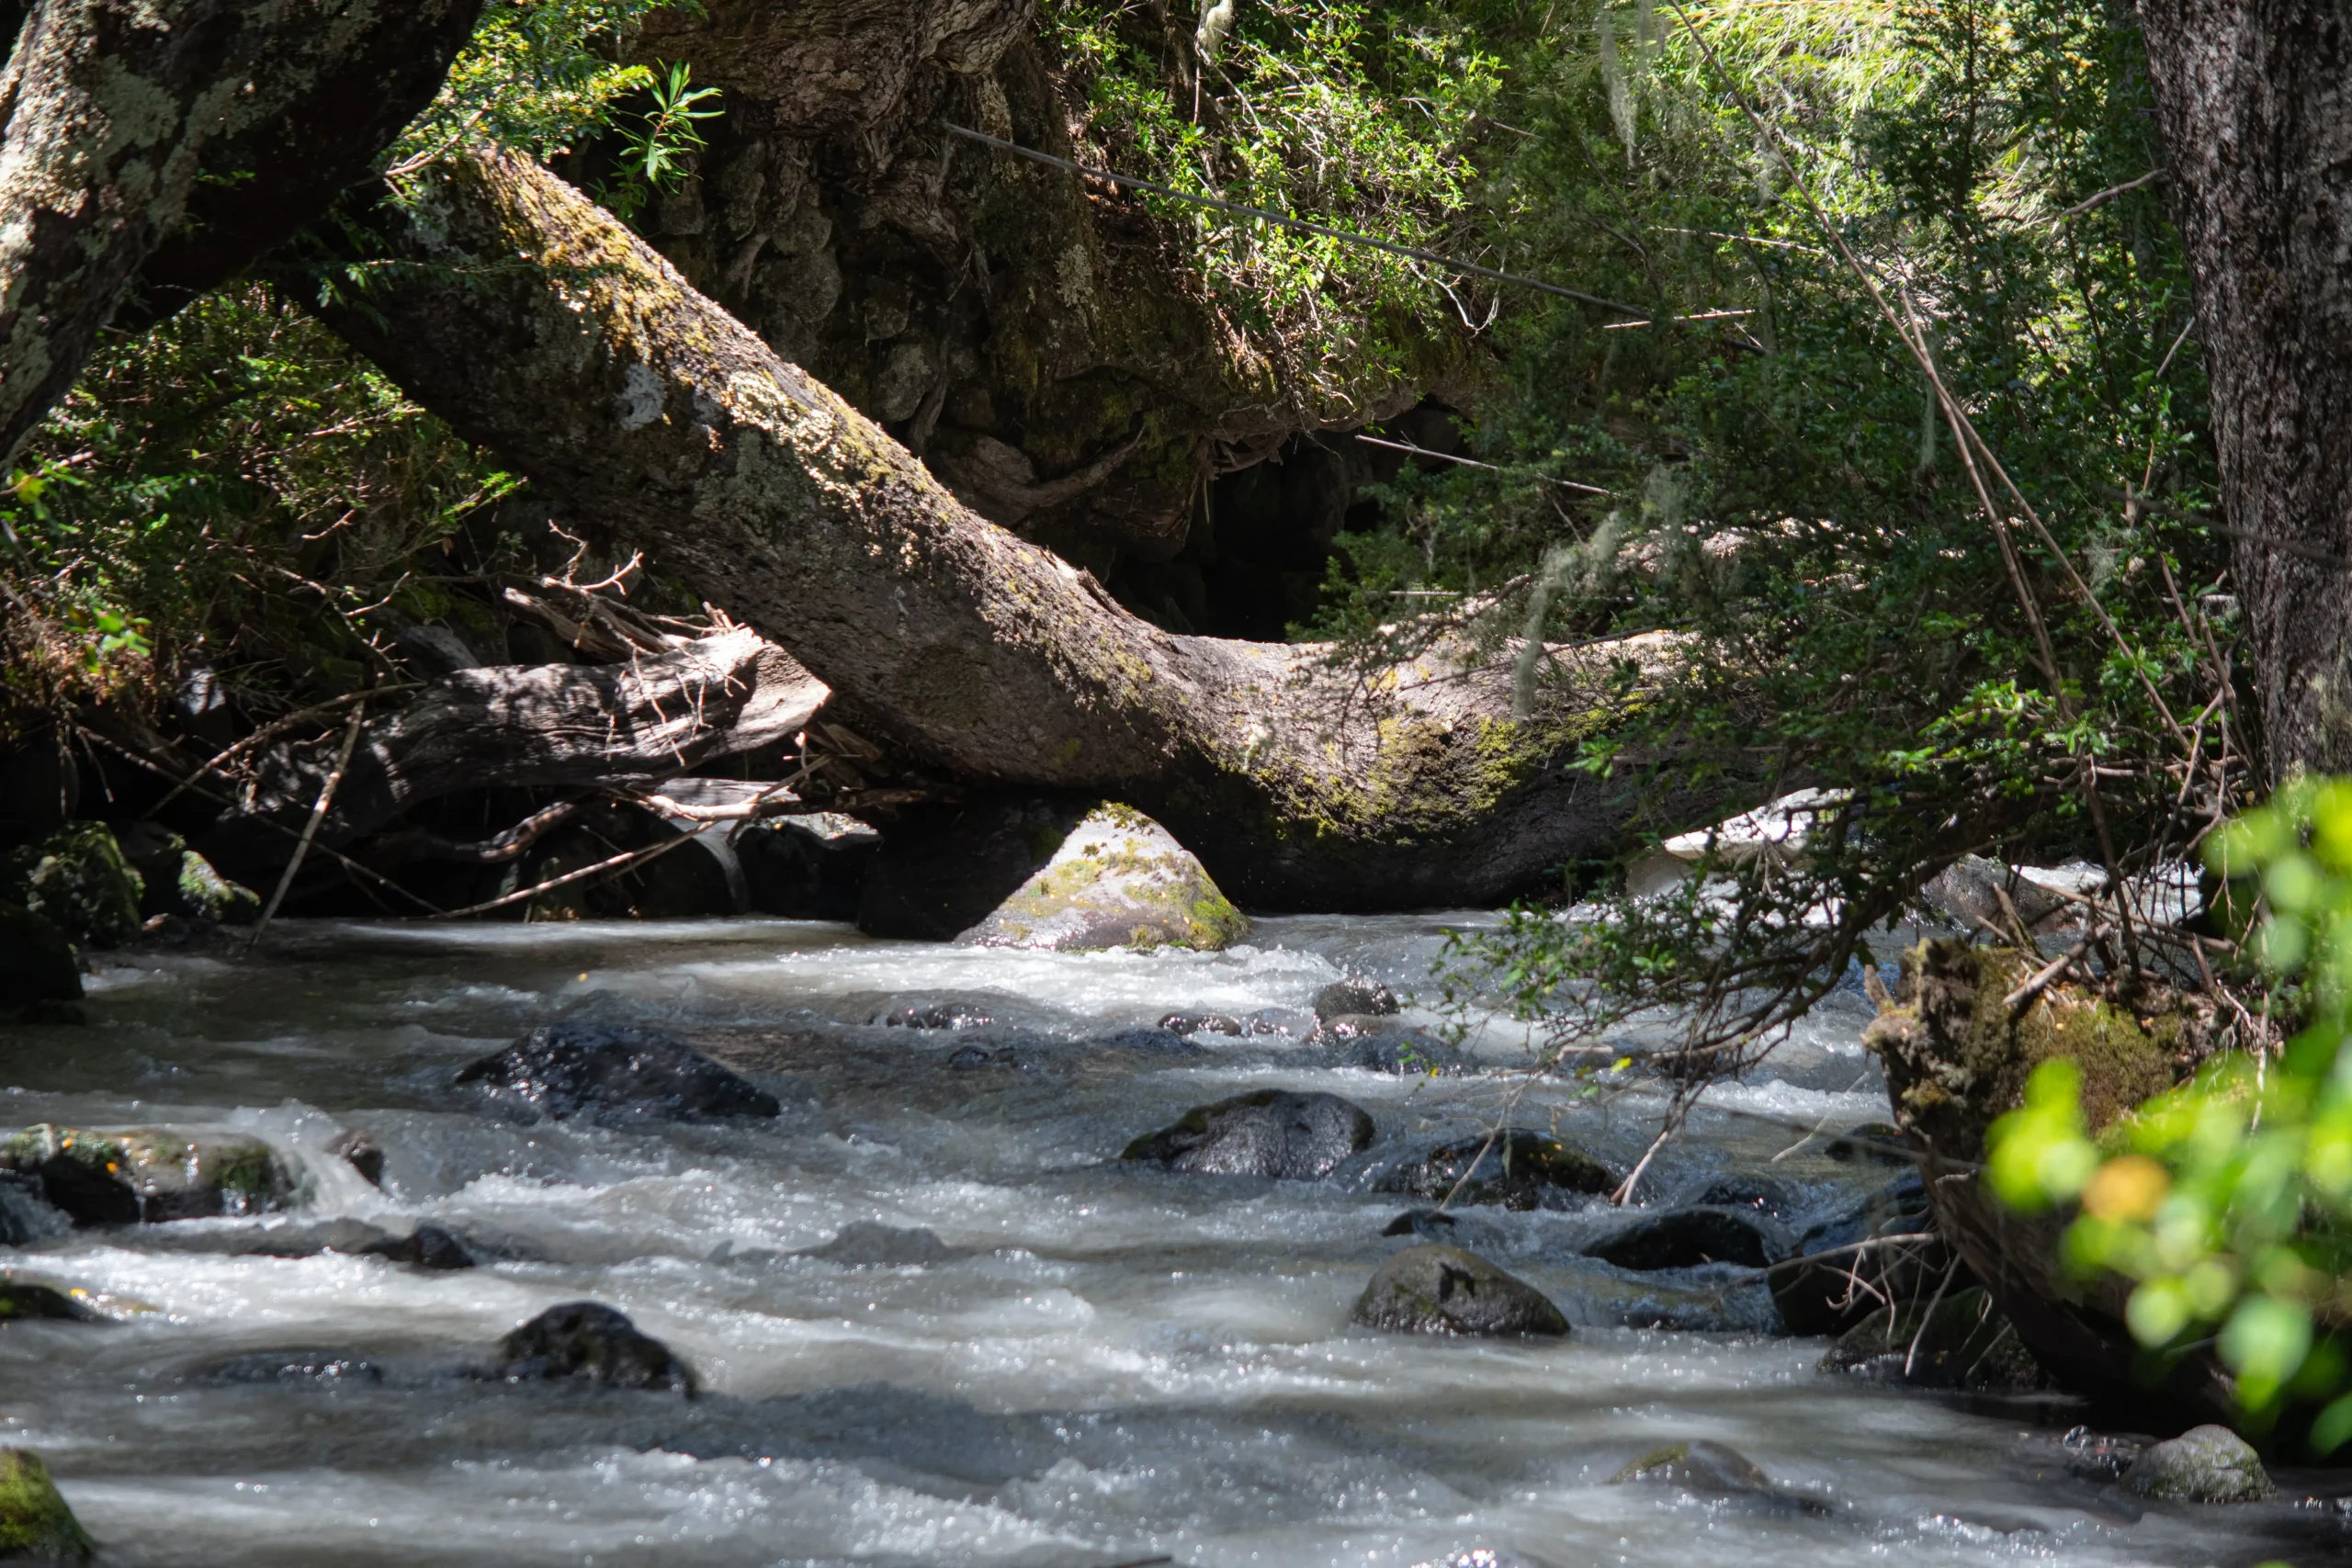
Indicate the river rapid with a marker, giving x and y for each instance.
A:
(1084, 1363)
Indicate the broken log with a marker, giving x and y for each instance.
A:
(553, 726)
(536, 323)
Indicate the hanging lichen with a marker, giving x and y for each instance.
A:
(1620, 90)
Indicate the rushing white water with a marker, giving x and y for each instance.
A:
(1100, 1363)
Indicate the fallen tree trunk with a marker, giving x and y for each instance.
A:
(533, 322)
(550, 725)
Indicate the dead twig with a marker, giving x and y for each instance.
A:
(311, 828)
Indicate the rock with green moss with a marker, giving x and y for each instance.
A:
(35, 1524)
(1446, 1290)
(37, 965)
(2205, 1464)
(146, 1175)
(177, 881)
(78, 879)
(22, 1301)
(1118, 880)
(1961, 1341)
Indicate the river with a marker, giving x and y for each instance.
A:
(1093, 1363)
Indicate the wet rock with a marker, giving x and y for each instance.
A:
(934, 1015)
(1202, 1023)
(427, 1247)
(38, 965)
(1827, 1286)
(1386, 1048)
(1158, 1039)
(2204, 1464)
(806, 868)
(1874, 1143)
(360, 1152)
(1712, 1470)
(591, 1342)
(2100, 1456)
(77, 879)
(35, 1524)
(612, 1076)
(27, 1216)
(1119, 879)
(1271, 1133)
(146, 1175)
(1443, 1289)
(867, 1244)
(1963, 1343)
(1519, 1170)
(1354, 994)
(974, 1058)
(22, 1299)
(331, 1367)
(1430, 1225)
(176, 881)
(1747, 1193)
(1688, 1238)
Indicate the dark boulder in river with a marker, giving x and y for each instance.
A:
(1443, 1289)
(1880, 1249)
(1272, 1133)
(1687, 1238)
(593, 1343)
(612, 1076)
(1516, 1169)
(1355, 994)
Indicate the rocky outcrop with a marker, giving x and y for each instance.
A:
(594, 1344)
(1119, 879)
(613, 1076)
(1445, 1290)
(1519, 1169)
(35, 1524)
(146, 1175)
(1270, 1132)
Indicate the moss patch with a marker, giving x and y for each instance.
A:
(35, 1523)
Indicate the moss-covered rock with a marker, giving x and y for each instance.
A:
(35, 1524)
(36, 962)
(1962, 1341)
(1445, 1290)
(176, 880)
(2206, 1464)
(1519, 1170)
(1118, 880)
(125, 1178)
(78, 878)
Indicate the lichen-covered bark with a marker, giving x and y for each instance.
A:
(532, 321)
(2256, 101)
(112, 107)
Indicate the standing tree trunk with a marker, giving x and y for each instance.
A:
(2256, 99)
(532, 321)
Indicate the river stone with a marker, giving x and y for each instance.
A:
(176, 880)
(2204, 1464)
(37, 961)
(1516, 1170)
(1966, 1344)
(1119, 879)
(427, 1247)
(1443, 1289)
(1354, 994)
(869, 1244)
(360, 1152)
(148, 1175)
(935, 1015)
(1712, 1470)
(329, 1368)
(25, 1299)
(1270, 1132)
(612, 1076)
(78, 879)
(35, 1524)
(1201, 1023)
(593, 1343)
(1686, 1238)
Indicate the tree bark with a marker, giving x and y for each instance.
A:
(534, 323)
(115, 108)
(550, 725)
(2256, 101)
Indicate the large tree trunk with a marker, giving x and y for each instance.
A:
(2256, 98)
(533, 322)
(114, 108)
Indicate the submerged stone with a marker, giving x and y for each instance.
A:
(35, 1524)
(934, 1015)
(1270, 1132)
(1119, 879)
(1516, 1169)
(613, 1076)
(1445, 1290)
(593, 1343)
(78, 879)
(427, 1247)
(147, 1174)
(1712, 1470)
(327, 1368)
(868, 1244)
(2204, 1464)
(1687, 1238)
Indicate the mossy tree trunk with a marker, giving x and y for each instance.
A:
(532, 321)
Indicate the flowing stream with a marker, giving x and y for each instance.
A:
(1084, 1362)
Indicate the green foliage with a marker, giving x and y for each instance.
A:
(2229, 1201)
(655, 151)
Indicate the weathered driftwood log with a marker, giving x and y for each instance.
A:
(534, 323)
(1956, 1058)
(548, 725)
(111, 107)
